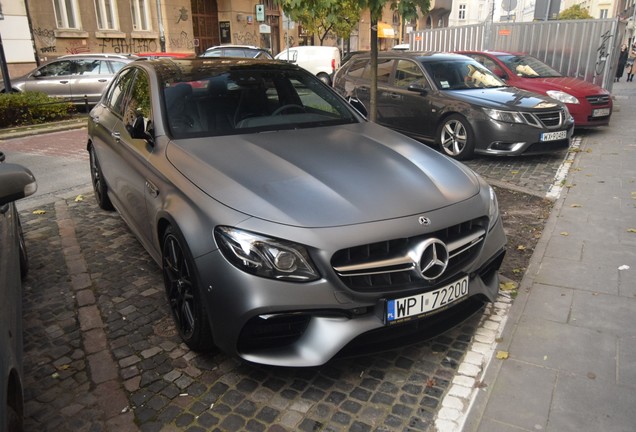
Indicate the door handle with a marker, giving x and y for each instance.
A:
(95, 119)
(102, 80)
(64, 82)
(116, 135)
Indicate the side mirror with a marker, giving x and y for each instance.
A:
(16, 182)
(417, 88)
(139, 129)
(358, 106)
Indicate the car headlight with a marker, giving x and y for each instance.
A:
(264, 256)
(562, 96)
(504, 116)
(493, 208)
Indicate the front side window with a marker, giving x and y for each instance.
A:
(106, 11)
(139, 12)
(528, 67)
(57, 68)
(66, 14)
(137, 112)
(461, 75)
(119, 91)
(406, 73)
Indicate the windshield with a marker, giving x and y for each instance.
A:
(528, 67)
(251, 100)
(461, 74)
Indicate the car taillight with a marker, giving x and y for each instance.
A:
(333, 64)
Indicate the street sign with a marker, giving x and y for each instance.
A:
(264, 28)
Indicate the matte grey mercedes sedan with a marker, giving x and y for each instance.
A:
(285, 224)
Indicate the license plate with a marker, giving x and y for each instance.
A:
(552, 136)
(601, 112)
(424, 303)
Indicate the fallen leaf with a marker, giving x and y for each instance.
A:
(502, 355)
(508, 286)
(79, 198)
(632, 230)
(576, 205)
(521, 247)
(38, 212)
(431, 382)
(565, 233)
(64, 367)
(514, 172)
(517, 271)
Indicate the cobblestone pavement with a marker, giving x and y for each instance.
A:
(101, 352)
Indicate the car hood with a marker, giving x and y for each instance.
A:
(320, 177)
(505, 98)
(570, 85)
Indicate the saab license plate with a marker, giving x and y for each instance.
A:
(601, 112)
(424, 303)
(553, 136)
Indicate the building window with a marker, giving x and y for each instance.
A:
(139, 10)
(66, 14)
(603, 13)
(106, 14)
(462, 12)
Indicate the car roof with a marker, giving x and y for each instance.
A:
(172, 69)
(235, 46)
(493, 53)
(100, 55)
(422, 56)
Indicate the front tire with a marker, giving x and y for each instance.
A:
(456, 138)
(99, 184)
(184, 296)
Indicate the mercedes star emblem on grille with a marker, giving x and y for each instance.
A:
(434, 259)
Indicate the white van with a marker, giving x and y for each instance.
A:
(322, 61)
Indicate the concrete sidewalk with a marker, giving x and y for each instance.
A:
(571, 332)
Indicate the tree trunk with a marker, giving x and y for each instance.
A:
(374, 70)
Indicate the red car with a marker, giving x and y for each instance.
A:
(589, 104)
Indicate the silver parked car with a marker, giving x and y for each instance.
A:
(78, 78)
(287, 225)
(15, 182)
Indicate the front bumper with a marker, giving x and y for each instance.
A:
(306, 324)
(512, 139)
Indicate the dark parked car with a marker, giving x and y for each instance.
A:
(77, 78)
(286, 225)
(452, 101)
(247, 51)
(15, 182)
(589, 104)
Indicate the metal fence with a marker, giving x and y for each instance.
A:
(587, 49)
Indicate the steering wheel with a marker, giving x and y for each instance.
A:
(288, 107)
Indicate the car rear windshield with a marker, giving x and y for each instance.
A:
(249, 101)
(461, 74)
(528, 67)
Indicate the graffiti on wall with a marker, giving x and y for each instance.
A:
(181, 42)
(45, 40)
(602, 53)
(77, 47)
(127, 46)
(246, 38)
(182, 15)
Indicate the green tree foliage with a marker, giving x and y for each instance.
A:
(575, 12)
(320, 17)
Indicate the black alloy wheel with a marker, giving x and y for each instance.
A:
(99, 185)
(184, 297)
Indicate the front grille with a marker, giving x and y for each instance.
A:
(598, 99)
(551, 119)
(393, 265)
